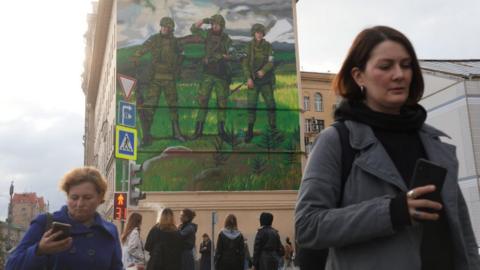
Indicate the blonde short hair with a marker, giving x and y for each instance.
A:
(82, 175)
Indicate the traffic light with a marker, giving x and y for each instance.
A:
(134, 183)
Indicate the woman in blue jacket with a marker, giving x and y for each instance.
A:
(93, 243)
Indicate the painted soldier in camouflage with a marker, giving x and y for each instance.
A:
(216, 72)
(258, 71)
(166, 59)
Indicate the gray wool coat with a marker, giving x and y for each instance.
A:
(359, 232)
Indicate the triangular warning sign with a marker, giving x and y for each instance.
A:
(127, 83)
(126, 145)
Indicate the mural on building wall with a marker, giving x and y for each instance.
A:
(215, 88)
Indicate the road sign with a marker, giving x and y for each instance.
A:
(120, 206)
(128, 84)
(127, 114)
(125, 143)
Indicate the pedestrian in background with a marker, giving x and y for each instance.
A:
(288, 253)
(268, 249)
(92, 242)
(164, 244)
(230, 250)
(133, 254)
(206, 252)
(377, 219)
(187, 231)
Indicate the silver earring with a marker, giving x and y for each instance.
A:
(362, 89)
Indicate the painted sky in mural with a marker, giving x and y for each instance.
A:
(139, 19)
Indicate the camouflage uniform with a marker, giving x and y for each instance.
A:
(259, 58)
(166, 58)
(216, 74)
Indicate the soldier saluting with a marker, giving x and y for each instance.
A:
(216, 71)
(166, 60)
(258, 71)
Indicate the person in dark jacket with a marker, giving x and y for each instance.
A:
(206, 252)
(93, 242)
(164, 244)
(230, 251)
(380, 217)
(268, 249)
(187, 231)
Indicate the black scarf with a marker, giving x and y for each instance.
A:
(410, 117)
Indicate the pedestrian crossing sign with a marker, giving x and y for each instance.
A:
(125, 143)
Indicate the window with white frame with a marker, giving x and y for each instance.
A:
(306, 103)
(318, 102)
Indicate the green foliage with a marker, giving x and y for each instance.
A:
(272, 139)
(258, 165)
(3, 253)
(233, 139)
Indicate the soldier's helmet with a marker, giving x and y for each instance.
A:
(258, 28)
(167, 22)
(218, 19)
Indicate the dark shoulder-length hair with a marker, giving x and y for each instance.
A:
(359, 54)
(231, 222)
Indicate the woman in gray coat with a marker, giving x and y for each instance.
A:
(378, 220)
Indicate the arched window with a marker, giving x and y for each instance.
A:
(306, 103)
(318, 102)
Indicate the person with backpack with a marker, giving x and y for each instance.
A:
(230, 249)
(90, 243)
(268, 249)
(376, 218)
(133, 254)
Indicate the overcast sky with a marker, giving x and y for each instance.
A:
(42, 103)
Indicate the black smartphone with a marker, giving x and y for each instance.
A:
(64, 227)
(429, 173)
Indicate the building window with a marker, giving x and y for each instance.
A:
(306, 103)
(308, 125)
(318, 102)
(319, 125)
(314, 125)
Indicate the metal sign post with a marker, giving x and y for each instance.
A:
(212, 255)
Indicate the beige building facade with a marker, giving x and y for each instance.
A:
(99, 89)
(318, 104)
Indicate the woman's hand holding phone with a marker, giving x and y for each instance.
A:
(49, 245)
(415, 202)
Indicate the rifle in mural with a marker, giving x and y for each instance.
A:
(237, 88)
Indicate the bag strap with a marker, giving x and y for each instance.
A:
(348, 154)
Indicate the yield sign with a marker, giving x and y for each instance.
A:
(127, 83)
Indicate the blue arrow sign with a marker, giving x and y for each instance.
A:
(127, 114)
